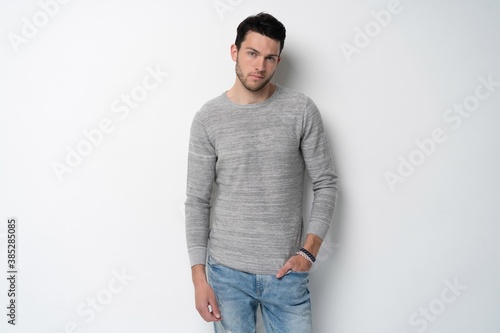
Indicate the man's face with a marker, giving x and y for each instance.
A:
(256, 60)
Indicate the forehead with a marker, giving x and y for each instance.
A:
(261, 43)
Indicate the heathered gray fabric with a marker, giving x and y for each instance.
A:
(256, 153)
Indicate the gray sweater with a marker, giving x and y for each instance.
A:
(256, 154)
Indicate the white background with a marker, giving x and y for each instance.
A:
(391, 253)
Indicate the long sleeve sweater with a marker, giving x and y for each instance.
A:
(256, 154)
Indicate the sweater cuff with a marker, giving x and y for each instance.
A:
(318, 228)
(198, 256)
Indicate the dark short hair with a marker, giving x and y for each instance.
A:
(264, 24)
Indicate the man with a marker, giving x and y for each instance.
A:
(255, 141)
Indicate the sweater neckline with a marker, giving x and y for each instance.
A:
(253, 105)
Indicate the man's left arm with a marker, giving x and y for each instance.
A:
(319, 164)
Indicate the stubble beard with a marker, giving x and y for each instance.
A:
(244, 79)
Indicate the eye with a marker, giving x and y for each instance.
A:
(272, 59)
(251, 53)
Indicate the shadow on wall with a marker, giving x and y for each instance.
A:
(285, 74)
(323, 277)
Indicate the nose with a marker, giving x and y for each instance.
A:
(259, 64)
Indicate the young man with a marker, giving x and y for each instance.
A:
(255, 141)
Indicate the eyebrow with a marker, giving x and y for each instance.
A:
(269, 55)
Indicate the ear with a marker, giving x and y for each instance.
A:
(234, 52)
(279, 59)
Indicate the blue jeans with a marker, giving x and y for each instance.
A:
(285, 303)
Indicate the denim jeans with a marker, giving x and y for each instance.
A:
(285, 303)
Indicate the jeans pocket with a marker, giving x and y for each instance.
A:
(298, 278)
(299, 273)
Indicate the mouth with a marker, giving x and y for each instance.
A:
(256, 76)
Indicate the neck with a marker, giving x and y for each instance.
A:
(241, 95)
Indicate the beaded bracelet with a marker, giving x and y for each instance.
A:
(308, 254)
(302, 254)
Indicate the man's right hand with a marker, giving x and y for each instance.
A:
(206, 302)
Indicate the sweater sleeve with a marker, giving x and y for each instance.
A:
(319, 164)
(200, 178)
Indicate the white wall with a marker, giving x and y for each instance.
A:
(392, 254)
